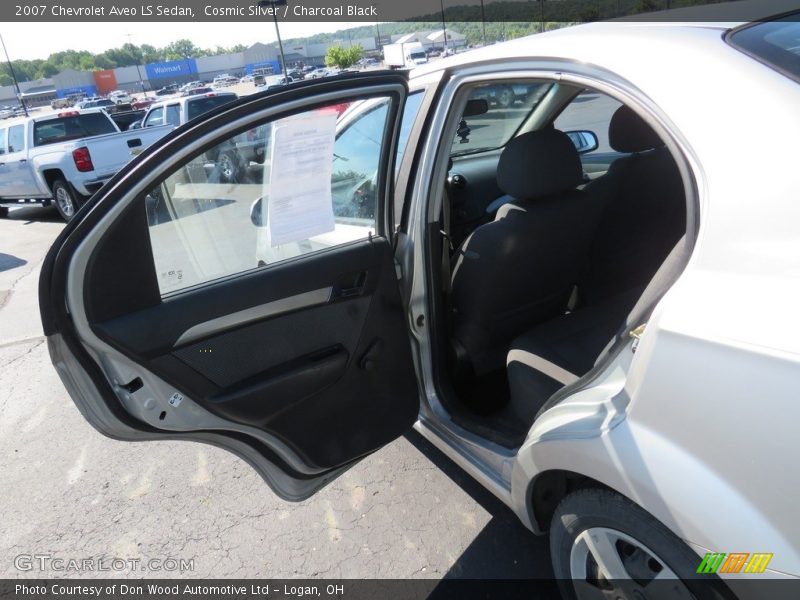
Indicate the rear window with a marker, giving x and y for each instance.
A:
(73, 127)
(775, 43)
(198, 106)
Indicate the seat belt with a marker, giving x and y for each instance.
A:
(447, 245)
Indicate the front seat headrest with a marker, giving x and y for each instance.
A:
(538, 164)
(628, 132)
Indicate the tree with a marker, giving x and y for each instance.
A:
(341, 57)
(182, 49)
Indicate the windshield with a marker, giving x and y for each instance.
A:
(418, 55)
(198, 106)
(71, 128)
(509, 105)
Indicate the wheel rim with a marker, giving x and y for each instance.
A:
(64, 201)
(226, 166)
(605, 563)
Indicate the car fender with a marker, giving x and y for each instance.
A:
(690, 449)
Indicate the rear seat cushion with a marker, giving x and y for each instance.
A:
(561, 350)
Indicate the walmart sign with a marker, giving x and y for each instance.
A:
(172, 68)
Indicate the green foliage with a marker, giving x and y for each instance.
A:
(339, 56)
(125, 56)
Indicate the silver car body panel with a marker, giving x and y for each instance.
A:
(707, 445)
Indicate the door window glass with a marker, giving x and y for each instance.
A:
(155, 118)
(16, 138)
(509, 104)
(2, 141)
(283, 189)
(589, 111)
(174, 115)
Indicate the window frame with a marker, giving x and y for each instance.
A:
(384, 182)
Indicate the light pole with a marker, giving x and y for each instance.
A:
(14, 77)
(274, 4)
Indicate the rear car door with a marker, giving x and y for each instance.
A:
(20, 182)
(261, 315)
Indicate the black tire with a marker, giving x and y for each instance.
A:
(3, 212)
(65, 198)
(602, 515)
(230, 168)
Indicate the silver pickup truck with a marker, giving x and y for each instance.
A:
(64, 157)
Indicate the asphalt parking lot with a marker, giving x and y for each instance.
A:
(69, 493)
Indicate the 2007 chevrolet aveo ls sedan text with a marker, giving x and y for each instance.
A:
(572, 267)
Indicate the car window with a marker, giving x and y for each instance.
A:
(16, 138)
(509, 104)
(71, 127)
(250, 201)
(589, 111)
(174, 115)
(410, 111)
(775, 43)
(2, 141)
(155, 117)
(198, 106)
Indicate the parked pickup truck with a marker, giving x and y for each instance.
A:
(232, 159)
(64, 157)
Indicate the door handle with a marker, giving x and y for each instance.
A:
(134, 143)
(23, 160)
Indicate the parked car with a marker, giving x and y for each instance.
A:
(605, 340)
(317, 73)
(143, 102)
(198, 91)
(167, 90)
(120, 97)
(259, 80)
(296, 74)
(64, 157)
(224, 81)
(94, 103)
(231, 160)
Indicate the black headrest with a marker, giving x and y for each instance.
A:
(539, 163)
(628, 132)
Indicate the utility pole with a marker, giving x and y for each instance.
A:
(483, 22)
(444, 24)
(274, 4)
(14, 77)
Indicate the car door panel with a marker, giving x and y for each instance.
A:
(305, 362)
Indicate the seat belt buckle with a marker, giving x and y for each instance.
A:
(449, 241)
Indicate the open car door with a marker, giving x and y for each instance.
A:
(236, 285)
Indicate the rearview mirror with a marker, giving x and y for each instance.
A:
(475, 107)
(584, 141)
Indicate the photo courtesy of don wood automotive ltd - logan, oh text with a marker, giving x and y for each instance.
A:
(469, 299)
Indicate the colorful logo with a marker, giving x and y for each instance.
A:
(736, 562)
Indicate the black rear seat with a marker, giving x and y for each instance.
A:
(644, 216)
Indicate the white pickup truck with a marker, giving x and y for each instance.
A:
(64, 157)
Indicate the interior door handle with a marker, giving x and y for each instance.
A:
(351, 286)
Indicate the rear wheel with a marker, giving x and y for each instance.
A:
(65, 199)
(605, 546)
(229, 168)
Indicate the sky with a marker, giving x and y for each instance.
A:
(38, 40)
